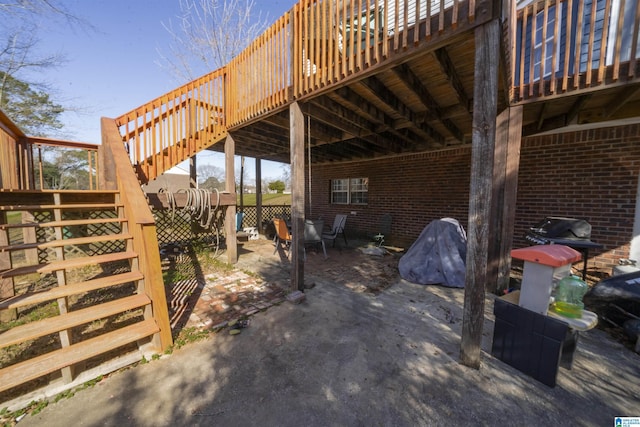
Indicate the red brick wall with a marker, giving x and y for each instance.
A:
(591, 174)
(414, 189)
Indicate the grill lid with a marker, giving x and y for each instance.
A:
(560, 227)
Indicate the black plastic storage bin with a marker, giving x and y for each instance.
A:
(530, 342)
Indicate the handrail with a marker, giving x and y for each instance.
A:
(15, 161)
(37, 143)
(583, 46)
(175, 126)
(142, 227)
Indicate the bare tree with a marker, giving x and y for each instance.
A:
(208, 34)
(30, 8)
(22, 21)
(286, 174)
(207, 171)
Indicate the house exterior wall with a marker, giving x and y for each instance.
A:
(590, 174)
(414, 189)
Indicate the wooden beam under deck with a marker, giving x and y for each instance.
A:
(161, 200)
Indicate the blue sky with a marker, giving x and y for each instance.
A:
(114, 68)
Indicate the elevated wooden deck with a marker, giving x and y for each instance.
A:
(382, 77)
(376, 76)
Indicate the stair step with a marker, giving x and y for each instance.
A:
(71, 319)
(71, 289)
(67, 263)
(20, 373)
(66, 242)
(76, 206)
(65, 223)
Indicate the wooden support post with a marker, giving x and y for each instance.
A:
(29, 236)
(7, 289)
(69, 372)
(505, 186)
(241, 190)
(259, 195)
(193, 183)
(487, 38)
(193, 172)
(230, 186)
(296, 119)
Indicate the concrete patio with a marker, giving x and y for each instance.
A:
(364, 348)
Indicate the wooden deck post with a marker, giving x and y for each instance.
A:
(259, 195)
(193, 172)
(296, 119)
(7, 289)
(505, 186)
(230, 186)
(487, 38)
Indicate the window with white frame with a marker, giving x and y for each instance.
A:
(359, 191)
(340, 191)
(345, 191)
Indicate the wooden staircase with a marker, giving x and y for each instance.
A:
(70, 264)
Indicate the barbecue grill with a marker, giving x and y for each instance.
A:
(572, 232)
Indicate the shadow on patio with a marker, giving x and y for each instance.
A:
(261, 278)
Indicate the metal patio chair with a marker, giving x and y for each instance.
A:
(313, 235)
(337, 229)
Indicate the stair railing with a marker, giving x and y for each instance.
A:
(174, 127)
(143, 229)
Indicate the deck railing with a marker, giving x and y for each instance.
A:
(259, 78)
(83, 170)
(23, 161)
(318, 44)
(563, 46)
(336, 39)
(15, 157)
(556, 46)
